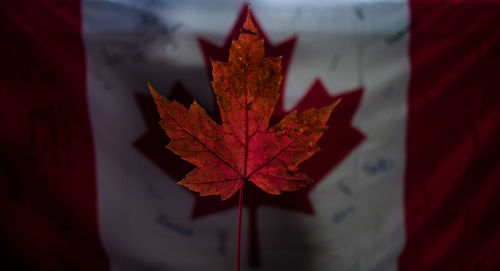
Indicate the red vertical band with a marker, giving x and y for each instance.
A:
(47, 166)
(452, 189)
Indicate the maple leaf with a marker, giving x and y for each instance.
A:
(243, 147)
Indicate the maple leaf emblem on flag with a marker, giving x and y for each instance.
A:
(336, 143)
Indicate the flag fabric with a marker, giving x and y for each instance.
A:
(408, 177)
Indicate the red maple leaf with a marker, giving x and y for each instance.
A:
(243, 148)
(336, 143)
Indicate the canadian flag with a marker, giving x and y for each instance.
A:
(408, 177)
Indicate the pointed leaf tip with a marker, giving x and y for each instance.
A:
(249, 25)
(156, 96)
(336, 103)
(329, 109)
(152, 91)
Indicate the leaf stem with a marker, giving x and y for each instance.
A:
(239, 226)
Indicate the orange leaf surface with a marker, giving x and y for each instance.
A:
(243, 148)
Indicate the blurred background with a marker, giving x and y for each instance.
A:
(408, 177)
